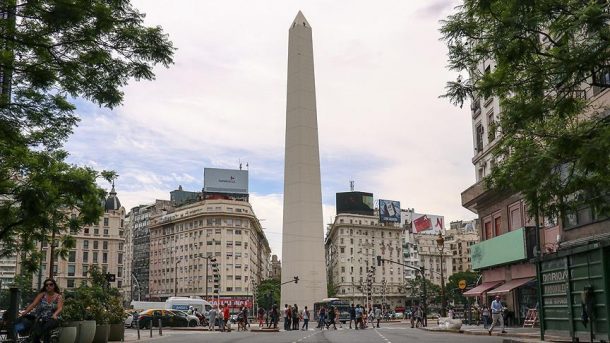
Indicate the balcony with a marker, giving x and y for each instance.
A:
(474, 195)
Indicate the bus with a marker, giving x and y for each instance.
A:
(342, 306)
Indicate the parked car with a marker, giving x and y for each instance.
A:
(399, 315)
(191, 319)
(168, 318)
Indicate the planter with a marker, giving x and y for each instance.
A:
(117, 332)
(67, 334)
(85, 330)
(101, 333)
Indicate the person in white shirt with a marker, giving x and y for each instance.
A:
(496, 314)
(305, 316)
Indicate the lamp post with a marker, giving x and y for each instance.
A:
(440, 245)
(176, 278)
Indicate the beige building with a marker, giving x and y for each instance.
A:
(430, 257)
(101, 244)
(352, 243)
(276, 268)
(460, 237)
(225, 229)
(8, 270)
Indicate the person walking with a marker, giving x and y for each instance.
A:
(260, 316)
(332, 316)
(212, 318)
(485, 316)
(359, 317)
(227, 315)
(418, 317)
(295, 317)
(496, 314)
(322, 318)
(378, 316)
(352, 316)
(305, 316)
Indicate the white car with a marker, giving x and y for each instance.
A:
(192, 319)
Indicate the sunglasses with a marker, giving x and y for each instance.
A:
(49, 284)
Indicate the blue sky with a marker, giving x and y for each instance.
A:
(379, 72)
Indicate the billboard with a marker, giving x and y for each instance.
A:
(355, 203)
(424, 223)
(225, 181)
(389, 211)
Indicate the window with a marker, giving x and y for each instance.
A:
(72, 256)
(342, 250)
(497, 225)
(85, 244)
(95, 257)
(487, 228)
(85, 256)
(120, 258)
(491, 130)
(119, 272)
(105, 245)
(479, 137)
(71, 270)
(95, 245)
(105, 232)
(105, 221)
(96, 232)
(70, 283)
(85, 269)
(515, 217)
(105, 257)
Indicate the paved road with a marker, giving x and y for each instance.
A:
(390, 333)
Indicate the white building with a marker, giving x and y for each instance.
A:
(8, 270)
(352, 243)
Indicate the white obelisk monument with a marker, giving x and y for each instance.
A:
(303, 231)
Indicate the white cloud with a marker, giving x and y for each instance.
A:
(379, 71)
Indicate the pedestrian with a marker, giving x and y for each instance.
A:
(322, 318)
(244, 313)
(418, 317)
(261, 316)
(227, 316)
(451, 313)
(412, 316)
(332, 316)
(221, 318)
(212, 318)
(358, 317)
(378, 316)
(496, 314)
(286, 317)
(305, 319)
(485, 316)
(275, 316)
(352, 316)
(295, 317)
(338, 317)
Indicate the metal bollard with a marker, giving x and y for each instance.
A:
(13, 309)
(160, 327)
(151, 325)
(138, 328)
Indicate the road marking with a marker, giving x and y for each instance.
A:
(380, 335)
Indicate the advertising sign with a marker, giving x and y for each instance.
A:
(389, 211)
(225, 181)
(355, 203)
(425, 223)
(233, 302)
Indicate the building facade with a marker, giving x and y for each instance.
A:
(352, 243)
(276, 268)
(8, 270)
(224, 229)
(101, 244)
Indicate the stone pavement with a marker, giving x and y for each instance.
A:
(520, 334)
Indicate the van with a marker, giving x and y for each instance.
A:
(184, 303)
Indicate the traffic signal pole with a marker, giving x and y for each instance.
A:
(421, 270)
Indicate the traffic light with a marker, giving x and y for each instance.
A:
(110, 277)
(296, 279)
(378, 261)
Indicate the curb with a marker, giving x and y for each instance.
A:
(527, 336)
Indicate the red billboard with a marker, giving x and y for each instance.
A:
(233, 302)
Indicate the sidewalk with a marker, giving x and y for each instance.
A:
(521, 333)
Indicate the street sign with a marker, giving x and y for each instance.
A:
(462, 284)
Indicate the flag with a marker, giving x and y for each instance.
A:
(422, 223)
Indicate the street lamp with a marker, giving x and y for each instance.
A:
(176, 278)
(440, 245)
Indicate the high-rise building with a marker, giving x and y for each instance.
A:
(303, 225)
(8, 270)
(184, 239)
(353, 242)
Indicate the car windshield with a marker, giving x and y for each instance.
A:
(179, 313)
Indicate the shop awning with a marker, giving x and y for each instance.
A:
(509, 286)
(482, 288)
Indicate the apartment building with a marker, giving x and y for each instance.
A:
(219, 227)
(352, 243)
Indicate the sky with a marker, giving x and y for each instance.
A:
(379, 72)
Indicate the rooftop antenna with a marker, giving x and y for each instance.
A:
(351, 186)
(239, 164)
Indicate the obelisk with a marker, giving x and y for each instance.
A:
(303, 231)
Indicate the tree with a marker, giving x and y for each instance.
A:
(416, 290)
(331, 288)
(454, 293)
(555, 145)
(52, 51)
(266, 288)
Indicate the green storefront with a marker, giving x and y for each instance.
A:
(574, 287)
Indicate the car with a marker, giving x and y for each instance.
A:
(192, 319)
(131, 319)
(169, 318)
(399, 315)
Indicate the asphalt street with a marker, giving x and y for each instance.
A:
(388, 333)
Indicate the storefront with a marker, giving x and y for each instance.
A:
(574, 286)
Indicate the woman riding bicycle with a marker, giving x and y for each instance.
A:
(49, 304)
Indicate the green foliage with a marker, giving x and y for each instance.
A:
(331, 289)
(415, 290)
(454, 294)
(52, 51)
(266, 287)
(555, 145)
